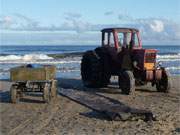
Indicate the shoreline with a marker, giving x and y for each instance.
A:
(64, 55)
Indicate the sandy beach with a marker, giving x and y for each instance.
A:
(63, 116)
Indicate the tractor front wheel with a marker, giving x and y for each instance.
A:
(46, 93)
(126, 82)
(14, 94)
(54, 89)
(164, 85)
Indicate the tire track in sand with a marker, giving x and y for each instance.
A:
(35, 123)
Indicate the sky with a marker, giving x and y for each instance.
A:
(78, 22)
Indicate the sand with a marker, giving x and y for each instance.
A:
(63, 116)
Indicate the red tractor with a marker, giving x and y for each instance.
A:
(122, 55)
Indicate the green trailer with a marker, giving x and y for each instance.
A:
(33, 78)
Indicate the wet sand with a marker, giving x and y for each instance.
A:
(63, 116)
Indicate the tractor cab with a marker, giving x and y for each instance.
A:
(119, 40)
(121, 37)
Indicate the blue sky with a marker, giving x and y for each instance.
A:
(63, 22)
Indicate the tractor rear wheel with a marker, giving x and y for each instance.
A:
(164, 85)
(93, 70)
(126, 82)
(54, 89)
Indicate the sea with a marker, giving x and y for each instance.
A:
(69, 67)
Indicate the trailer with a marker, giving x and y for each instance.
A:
(33, 78)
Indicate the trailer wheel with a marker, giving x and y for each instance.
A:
(54, 88)
(164, 85)
(14, 94)
(46, 93)
(126, 82)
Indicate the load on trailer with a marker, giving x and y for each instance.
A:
(33, 78)
(121, 54)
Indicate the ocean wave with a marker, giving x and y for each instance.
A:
(26, 57)
(65, 71)
(61, 59)
(39, 62)
(59, 69)
(173, 68)
(168, 53)
(168, 60)
(172, 56)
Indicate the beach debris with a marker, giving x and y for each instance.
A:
(112, 109)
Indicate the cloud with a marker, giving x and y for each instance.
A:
(124, 16)
(108, 13)
(6, 21)
(27, 19)
(70, 15)
(17, 22)
(75, 23)
(152, 29)
(157, 25)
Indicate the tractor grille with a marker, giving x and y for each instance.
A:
(150, 57)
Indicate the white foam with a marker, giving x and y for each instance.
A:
(168, 57)
(26, 57)
(72, 70)
(177, 56)
(168, 60)
(173, 68)
(39, 62)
